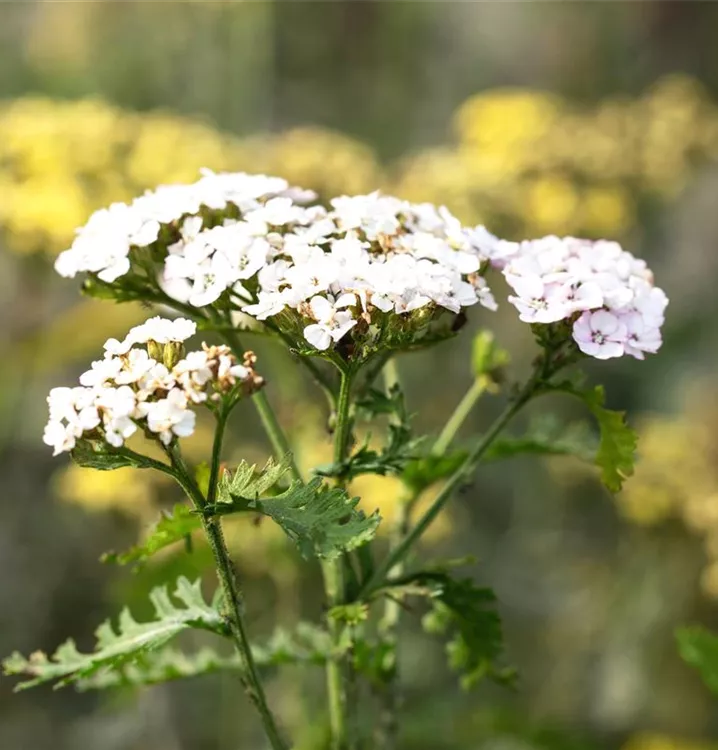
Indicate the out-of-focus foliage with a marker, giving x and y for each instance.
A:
(677, 475)
(699, 648)
(655, 741)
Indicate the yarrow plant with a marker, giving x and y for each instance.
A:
(346, 287)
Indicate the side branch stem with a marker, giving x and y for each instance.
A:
(231, 593)
(334, 585)
(397, 555)
(457, 419)
(270, 423)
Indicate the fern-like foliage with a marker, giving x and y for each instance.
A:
(171, 528)
(123, 644)
(616, 452)
(547, 438)
(305, 644)
(466, 615)
(322, 521)
(164, 665)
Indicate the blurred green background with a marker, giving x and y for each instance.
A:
(598, 119)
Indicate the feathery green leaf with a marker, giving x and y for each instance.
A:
(306, 644)
(124, 644)
(171, 528)
(617, 447)
(322, 521)
(466, 614)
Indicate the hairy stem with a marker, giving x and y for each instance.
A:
(231, 593)
(457, 419)
(216, 455)
(338, 677)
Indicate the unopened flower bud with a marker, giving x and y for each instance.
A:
(174, 351)
(155, 350)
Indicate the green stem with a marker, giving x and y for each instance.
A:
(333, 571)
(387, 730)
(216, 455)
(275, 433)
(457, 419)
(397, 555)
(232, 596)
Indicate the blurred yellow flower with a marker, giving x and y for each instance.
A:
(124, 490)
(654, 741)
(61, 160)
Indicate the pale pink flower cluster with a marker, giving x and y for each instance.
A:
(129, 390)
(606, 293)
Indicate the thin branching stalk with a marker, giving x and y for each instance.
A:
(459, 416)
(270, 423)
(230, 589)
(387, 731)
(459, 476)
(333, 572)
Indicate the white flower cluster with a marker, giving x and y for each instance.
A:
(334, 267)
(605, 292)
(250, 238)
(103, 245)
(249, 234)
(129, 390)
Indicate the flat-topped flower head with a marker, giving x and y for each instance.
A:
(358, 276)
(605, 293)
(370, 272)
(103, 246)
(130, 390)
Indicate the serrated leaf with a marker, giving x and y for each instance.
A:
(427, 470)
(322, 521)
(699, 649)
(170, 529)
(617, 447)
(249, 483)
(163, 665)
(375, 403)
(306, 644)
(124, 643)
(94, 454)
(466, 614)
(546, 438)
